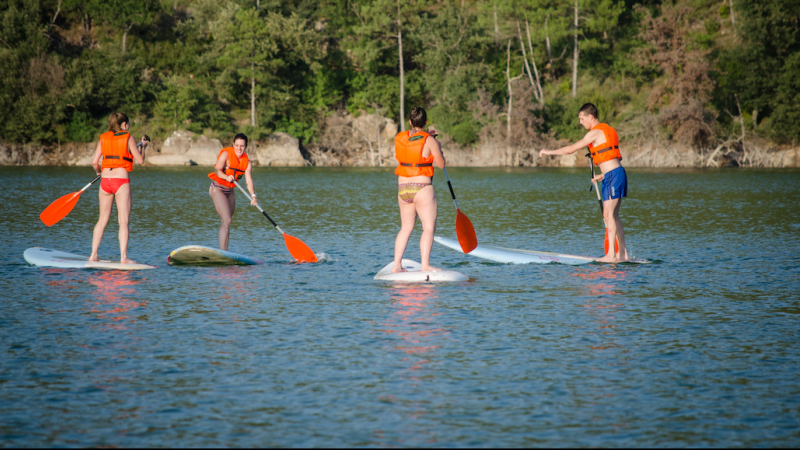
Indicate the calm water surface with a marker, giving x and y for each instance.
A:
(697, 349)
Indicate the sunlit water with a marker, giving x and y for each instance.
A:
(697, 349)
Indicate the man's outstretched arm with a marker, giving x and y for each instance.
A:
(588, 139)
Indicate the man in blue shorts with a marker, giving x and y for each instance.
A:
(603, 144)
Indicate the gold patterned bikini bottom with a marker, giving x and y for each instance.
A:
(407, 191)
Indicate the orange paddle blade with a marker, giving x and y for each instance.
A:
(465, 232)
(299, 250)
(59, 208)
(605, 244)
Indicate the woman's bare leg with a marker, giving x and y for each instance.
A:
(106, 202)
(124, 201)
(427, 210)
(408, 217)
(224, 207)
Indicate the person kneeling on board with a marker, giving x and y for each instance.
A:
(416, 155)
(232, 163)
(118, 150)
(603, 144)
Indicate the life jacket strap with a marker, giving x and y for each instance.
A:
(607, 149)
(430, 164)
(118, 157)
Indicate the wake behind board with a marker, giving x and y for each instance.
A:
(45, 257)
(414, 274)
(199, 255)
(514, 256)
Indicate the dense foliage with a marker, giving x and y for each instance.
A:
(702, 67)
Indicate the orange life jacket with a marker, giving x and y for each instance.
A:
(610, 149)
(236, 167)
(408, 151)
(114, 146)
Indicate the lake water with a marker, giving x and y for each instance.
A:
(699, 348)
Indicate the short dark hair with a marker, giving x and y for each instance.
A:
(589, 109)
(241, 136)
(418, 117)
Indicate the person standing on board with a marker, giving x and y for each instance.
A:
(232, 163)
(118, 150)
(416, 154)
(603, 144)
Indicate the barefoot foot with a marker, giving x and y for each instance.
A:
(94, 258)
(429, 269)
(398, 269)
(127, 261)
(607, 259)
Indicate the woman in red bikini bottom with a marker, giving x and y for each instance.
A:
(118, 150)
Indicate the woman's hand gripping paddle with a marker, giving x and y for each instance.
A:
(464, 230)
(61, 207)
(600, 200)
(298, 249)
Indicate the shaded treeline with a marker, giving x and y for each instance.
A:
(699, 73)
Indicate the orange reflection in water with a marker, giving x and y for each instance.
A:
(414, 319)
(114, 297)
(601, 283)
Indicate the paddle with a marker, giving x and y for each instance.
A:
(61, 207)
(296, 247)
(600, 200)
(464, 230)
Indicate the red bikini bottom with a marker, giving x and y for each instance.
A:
(112, 185)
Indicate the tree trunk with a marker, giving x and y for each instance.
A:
(510, 99)
(496, 29)
(527, 67)
(402, 75)
(533, 61)
(55, 16)
(733, 19)
(547, 42)
(253, 96)
(575, 56)
(125, 37)
(741, 117)
(755, 119)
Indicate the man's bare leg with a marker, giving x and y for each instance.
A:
(623, 250)
(408, 217)
(427, 209)
(609, 206)
(106, 202)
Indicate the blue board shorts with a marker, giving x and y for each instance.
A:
(615, 184)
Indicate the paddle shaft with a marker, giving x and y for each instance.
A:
(247, 194)
(451, 187)
(93, 182)
(596, 189)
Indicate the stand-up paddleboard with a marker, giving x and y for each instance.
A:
(199, 255)
(46, 257)
(514, 256)
(414, 274)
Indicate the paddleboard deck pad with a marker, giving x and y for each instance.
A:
(198, 255)
(514, 256)
(45, 257)
(413, 274)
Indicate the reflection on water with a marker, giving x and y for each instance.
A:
(698, 350)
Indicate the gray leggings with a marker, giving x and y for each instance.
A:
(225, 203)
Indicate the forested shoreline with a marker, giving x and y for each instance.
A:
(686, 82)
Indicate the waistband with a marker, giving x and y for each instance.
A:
(224, 189)
(430, 164)
(607, 149)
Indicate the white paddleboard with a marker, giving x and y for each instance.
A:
(199, 255)
(514, 256)
(414, 274)
(46, 257)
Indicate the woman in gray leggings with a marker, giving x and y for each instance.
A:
(232, 164)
